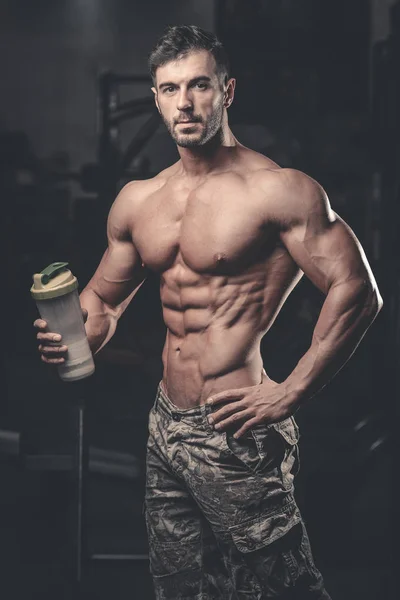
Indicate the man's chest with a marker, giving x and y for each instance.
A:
(213, 231)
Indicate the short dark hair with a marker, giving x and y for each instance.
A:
(179, 40)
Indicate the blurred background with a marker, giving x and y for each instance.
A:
(317, 90)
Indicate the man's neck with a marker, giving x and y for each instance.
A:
(202, 160)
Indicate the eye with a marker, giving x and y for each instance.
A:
(201, 86)
(168, 90)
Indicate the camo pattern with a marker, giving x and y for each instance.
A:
(221, 517)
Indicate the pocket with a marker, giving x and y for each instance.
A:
(277, 445)
(261, 532)
(300, 562)
(289, 430)
(245, 450)
(170, 559)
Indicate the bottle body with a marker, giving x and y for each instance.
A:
(63, 315)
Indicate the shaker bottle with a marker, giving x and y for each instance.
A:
(55, 291)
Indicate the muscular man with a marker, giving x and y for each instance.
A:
(230, 234)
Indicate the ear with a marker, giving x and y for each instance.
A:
(153, 89)
(229, 92)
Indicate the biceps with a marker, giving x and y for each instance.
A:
(119, 273)
(328, 256)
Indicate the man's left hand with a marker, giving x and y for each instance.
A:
(250, 406)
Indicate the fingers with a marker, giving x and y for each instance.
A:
(52, 361)
(40, 324)
(51, 351)
(48, 337)
(234, 420)
(43, 335)
(53, 354)
(246, 427)
(227, 410)
(227, 396)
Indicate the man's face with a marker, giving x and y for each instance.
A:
(190, 98)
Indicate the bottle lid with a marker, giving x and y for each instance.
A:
(54, 281)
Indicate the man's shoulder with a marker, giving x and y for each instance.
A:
(140, 189)
(281, 178)
(264, 171)
(252, 161)
(290, 196)
(134, 195)
(289, 184)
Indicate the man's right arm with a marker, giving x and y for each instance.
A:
(114, 283)
(118, 276)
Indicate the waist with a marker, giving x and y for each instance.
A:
(189, 382)
(197, 414)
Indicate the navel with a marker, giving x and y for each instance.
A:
(220, 257)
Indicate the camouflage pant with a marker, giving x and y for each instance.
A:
(221, 517)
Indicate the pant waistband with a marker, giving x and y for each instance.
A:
(196, 415)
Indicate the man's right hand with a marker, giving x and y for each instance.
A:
(51, 349)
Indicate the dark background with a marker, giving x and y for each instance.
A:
(317, 90)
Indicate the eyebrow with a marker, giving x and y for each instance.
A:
(191, 82)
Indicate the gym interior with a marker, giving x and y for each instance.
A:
(318, 89)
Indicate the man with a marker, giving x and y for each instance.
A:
(230, 234)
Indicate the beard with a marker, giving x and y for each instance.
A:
(192, 138)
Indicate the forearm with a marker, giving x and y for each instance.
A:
(102, 319)
(348, 311)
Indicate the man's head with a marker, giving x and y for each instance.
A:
(190, 73)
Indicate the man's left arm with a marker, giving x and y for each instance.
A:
(330, 255)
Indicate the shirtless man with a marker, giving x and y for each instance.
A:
(230, 234)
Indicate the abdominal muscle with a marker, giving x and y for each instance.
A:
(214, 329)
(202, 364)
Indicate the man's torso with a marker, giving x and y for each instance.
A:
(224, 273)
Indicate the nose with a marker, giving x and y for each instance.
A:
(184, 101)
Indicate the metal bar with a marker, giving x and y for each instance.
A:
(82, 456)
(141, 138)
(121, 557)
(81, 464)
(137, 103)
(126, 115)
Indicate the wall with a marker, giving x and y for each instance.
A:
(54, 50)
(380, 22)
